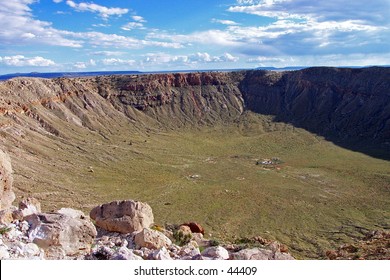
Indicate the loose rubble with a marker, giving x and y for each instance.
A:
(69, 234)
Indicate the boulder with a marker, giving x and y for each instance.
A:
(124, 253)
(260, 254)
(283, 256)
(151, 239)
(216, 253)
(4, 254)
(253, 254)
(123, 216)
(29, 206)
(7, 215)
(7, 196)
(68, 232)
(195, 227)
(189, 251)
(161, 254)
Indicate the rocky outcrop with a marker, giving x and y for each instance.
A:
(216, 253)
(123, 216)
(261, 254)
(65, 233)
(374, 246)
(7, 195)
(69, 234)
(151, 239)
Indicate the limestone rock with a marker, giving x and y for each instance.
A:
(189, 251)
(29, 206)
(125, 254)
(7, 215)
(58, 232)
(216, 253)
(4, 254)
(123, 216)
(7, 196)
(161, 254)
(151, 239)
(283, 256)
(261, 254)
(253, 254)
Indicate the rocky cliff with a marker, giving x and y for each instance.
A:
(341, 103)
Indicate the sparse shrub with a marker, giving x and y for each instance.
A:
(180, 238)
(158, 228)
(4, 230)
(214, 243)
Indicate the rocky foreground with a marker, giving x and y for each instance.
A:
(120, 230)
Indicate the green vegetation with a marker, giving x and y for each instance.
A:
(181, 238)
(322, 195)
(4, 230)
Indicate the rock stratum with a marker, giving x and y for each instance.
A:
(342, 103)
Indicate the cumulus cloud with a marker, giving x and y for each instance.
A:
(19, 27)
(104, 12)
(20, 61)
(298, 28)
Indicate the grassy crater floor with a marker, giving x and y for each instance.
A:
(319, 197)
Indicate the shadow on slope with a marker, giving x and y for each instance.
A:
(350, 107)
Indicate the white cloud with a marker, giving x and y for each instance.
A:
(207, 58)
(138, 18)
(80, 65)
(355, 59)
(108, 53)
(57, 1)
(298, 27)
(132, 25)
(225, 22)
(191, 60)
(101, 25)
(99, 39)
(323, 10)
(104, 12)
(21, 61)
(84, 65)
(18, 27)
(117, 61)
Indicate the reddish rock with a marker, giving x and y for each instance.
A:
(195, 227)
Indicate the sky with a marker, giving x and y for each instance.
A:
(159, 35)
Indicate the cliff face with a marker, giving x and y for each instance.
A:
(341, 103)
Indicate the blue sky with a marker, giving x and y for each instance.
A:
(153, 35)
